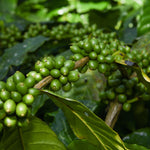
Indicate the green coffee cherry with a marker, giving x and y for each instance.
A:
(67, 87)
(102, 95)
(10, 79)
(32, 74)
(49, 63)
(93, 55)
(55, 85)
(101, 58)
(22, 88)
(10, 121)
(21, 109)
(69, 64)
(4, 95)
(38, 77)
(44, 72)
(93, 64)
(39, 65)
(97, 49)
(77, 57)
(105, 52)
(129, 83)
(9, 106)
(18, 77)
(75, 49)
(59, 62)
(29, 81)
(122, 98)
(64, 71)
(93, 42)
(127, 107)
(80, 44)
(63, 79)
(110, 94)
(73, 76)
(11, 86)
(145, 97)
(103, 68)
(16, 96)
(55, 73)
(28, 99)
(33, 91)
(109, 59)
(120, 89)
(87, 47)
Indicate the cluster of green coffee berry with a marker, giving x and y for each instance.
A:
(142, 58)
(17, 94)
(61, 70)
(74, 32)
(9, 36)
(100, 53)
(36, 29)
(103, 53)
(16, 97)
(124, 90)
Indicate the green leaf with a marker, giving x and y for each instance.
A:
(83, 7)
(39, 102)
(37, 136)
(141, 75)
(86, 125)
(140, 137)
(81, 144)
(135, 147)
(8, 6)
(61, 127)
(144, 19)
(106, 20)
(16, 55)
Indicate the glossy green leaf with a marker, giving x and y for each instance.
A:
(136, 147)
(16, 55)
(86, 90)
(84, 7)
(86, 125)
(37, 136)
(38, 102)
(81, 144)
(141, 75)
(140, 137)
(61, 127)
(144, 20)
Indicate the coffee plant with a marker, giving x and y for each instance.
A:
(59, 62)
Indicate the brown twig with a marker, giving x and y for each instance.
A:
(48, 79)
(113, 113)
